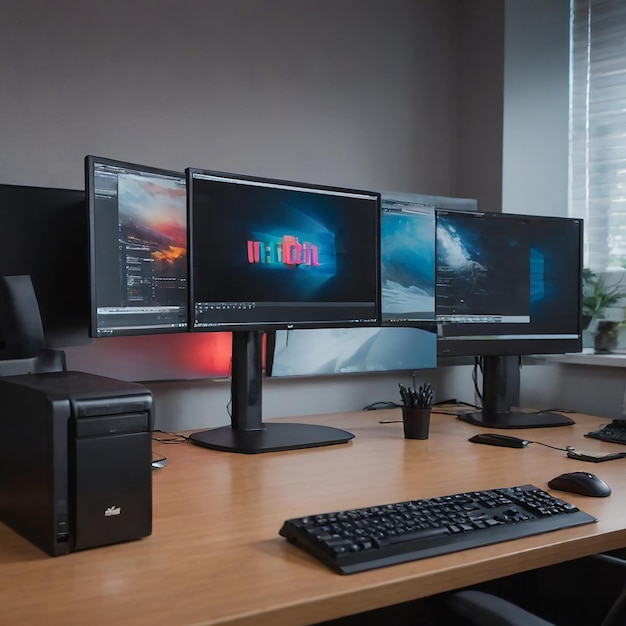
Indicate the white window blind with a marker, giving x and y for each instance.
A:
(598, 129)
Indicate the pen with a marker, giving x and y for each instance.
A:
(421, 398)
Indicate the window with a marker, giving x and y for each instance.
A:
(598, 129)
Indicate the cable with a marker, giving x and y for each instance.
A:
(448, 401)
(173, 437)
(565, 449)
(381, 405)
(478, 364)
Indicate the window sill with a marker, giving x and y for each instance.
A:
(587, 357)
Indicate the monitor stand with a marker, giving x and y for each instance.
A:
(247, 433)
(515, 419)
(501, 383)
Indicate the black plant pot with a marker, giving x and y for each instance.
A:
(605, 338)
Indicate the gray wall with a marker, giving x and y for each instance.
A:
(480, 103)
(360, 93)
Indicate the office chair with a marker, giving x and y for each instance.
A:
(472, 607)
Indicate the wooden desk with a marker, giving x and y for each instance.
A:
(215, 556)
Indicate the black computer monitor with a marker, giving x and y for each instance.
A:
(44, 235)
(507, 285)
(271, 254)
(138, 248)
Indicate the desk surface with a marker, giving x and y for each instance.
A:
(215, 556)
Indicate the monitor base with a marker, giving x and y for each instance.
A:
(270, 438)
(515, 419)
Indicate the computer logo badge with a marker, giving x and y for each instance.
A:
(112, 510)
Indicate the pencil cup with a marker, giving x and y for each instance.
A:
(416, 422)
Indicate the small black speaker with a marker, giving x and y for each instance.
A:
(21, 329)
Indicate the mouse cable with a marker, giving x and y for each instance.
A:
(547, 445)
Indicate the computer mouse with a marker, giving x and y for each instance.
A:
(495, 439)
(582, 483)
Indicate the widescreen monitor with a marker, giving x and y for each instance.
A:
(138, 248)
(44, 235)
(270, 254)
(508, 285)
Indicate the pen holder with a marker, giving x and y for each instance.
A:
(416, 422)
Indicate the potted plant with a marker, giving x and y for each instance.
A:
(597, 296)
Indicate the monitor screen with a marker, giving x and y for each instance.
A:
(407, 259)
(138, 248)
(508, 284)
(45, 233)
(270, 254)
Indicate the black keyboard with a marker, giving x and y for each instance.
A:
(361, 539)
(608, 433)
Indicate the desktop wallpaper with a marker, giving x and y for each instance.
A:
(407, 260)
(267, 244)
(556, 253)
(483, 265)
(152, 218)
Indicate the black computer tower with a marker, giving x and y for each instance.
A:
(75, 459)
